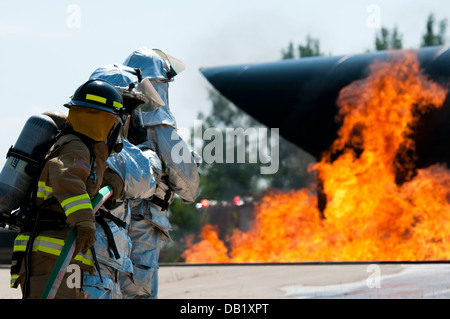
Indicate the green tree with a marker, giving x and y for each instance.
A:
(311, 48)
(289, 53)
(430, 38)
(388, 40)
(221, 180)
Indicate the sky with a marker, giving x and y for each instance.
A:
(49, 48)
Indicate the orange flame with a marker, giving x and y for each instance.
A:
(369, 214)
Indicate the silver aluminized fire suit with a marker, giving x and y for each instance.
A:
(149, 228)
(113, 245)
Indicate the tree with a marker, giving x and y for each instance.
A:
(388, 40)
(430, 38)
(289, 53)
(222, 180)
(311, 48)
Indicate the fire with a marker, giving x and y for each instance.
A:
(378, 207)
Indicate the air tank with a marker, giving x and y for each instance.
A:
(16, 177)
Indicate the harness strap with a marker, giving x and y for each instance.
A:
(163, 203)
(116, 220)
(160, 202)
(100, 218)
(21, 155)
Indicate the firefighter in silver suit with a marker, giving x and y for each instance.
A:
(112, 243)
(175, 170)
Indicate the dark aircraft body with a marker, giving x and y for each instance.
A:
(298, 96)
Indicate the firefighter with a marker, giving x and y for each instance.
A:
(112, 243)
(150, 226)
(75, 169)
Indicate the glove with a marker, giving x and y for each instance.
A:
(85, 235)
(113, 179)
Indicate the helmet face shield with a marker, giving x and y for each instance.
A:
(95, 124)
(172, 65)
(159, 92)
(162, 87)
(146, 87)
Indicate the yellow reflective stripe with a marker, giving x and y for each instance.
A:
(51, 246)
(76, 203)
(44, 191)
(20, 247)
(52, 240)
(78, 207)
(20, 243)
(22, 237)
(41, 195)
(46, 187)
(84, 260)
(117, 105)
(96, 98)
(74, 199)
(48, 250)
(13, 280)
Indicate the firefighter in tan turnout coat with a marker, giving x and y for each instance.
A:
(74, 171)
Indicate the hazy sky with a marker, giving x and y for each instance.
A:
(49, 48)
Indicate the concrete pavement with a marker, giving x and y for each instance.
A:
(281, 281)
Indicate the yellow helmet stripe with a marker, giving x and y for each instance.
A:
(117, 105)
(96, 98)
(102, 100)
